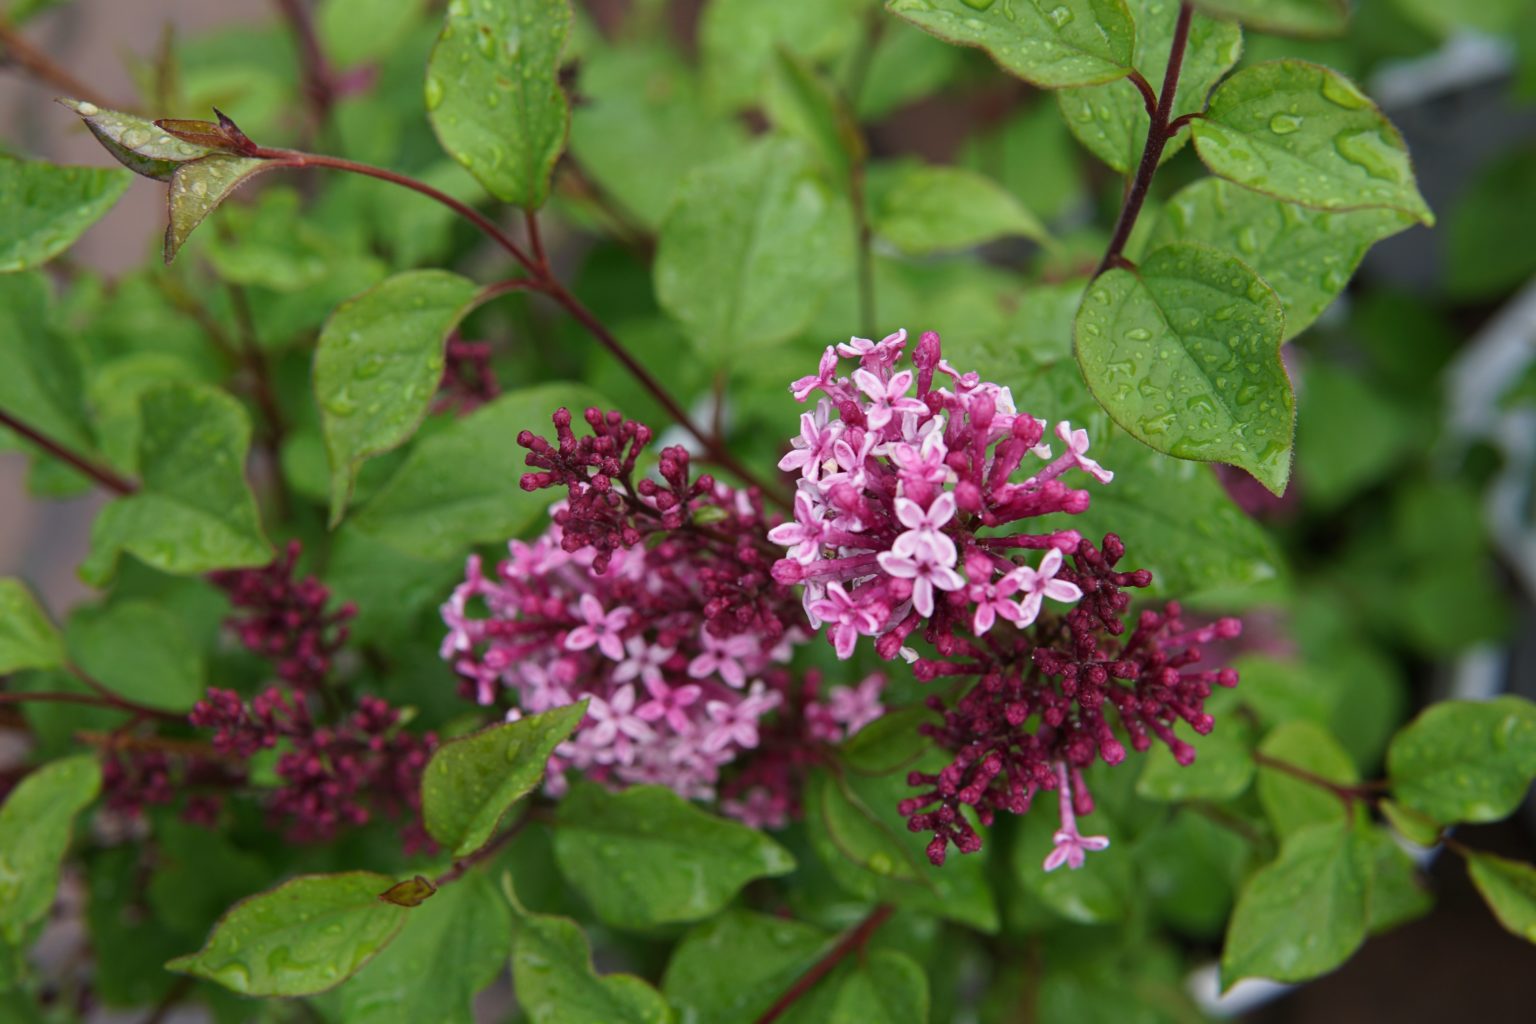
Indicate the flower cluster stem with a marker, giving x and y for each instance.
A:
(1347, 793)
(1159, 132)
(854, 941)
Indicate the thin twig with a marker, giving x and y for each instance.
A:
(107, 478)
(1158, 134)
(1347, 793)
(852, 942)
(490, 849)
(319, 81)
(45, 69)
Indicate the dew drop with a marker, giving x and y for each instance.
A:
(1060, 16)
(1284, 124)
(978, 5)
(434, 92)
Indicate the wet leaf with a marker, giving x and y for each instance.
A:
(36, 821)
(197, 189)
(1509, 887)
(924, 209)
(140, 650)
(1465, 760)
(28, 639)
(49, 206)
(1286, 17)
(137, 143)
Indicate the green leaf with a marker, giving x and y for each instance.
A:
(1465, 760)
(1175, 517)
(28, 638)
(1305, 133)
(1411, 825)
(765, 955)
(753, 245)
(885, 988)
(139, 650)
(1111, 119)
(1292, 803)
(49, 207)
(1286, 17)
(1188, 868)
(378, 364)
(1222, 769)
(738, 40)
(925, 209)
(35, 825)
(494, 97)
(451, 947)
(197, 189)
(137, 143)
(1184, 354)
(1486, 254)
(556, 983)
(43, 384)
(354, 31)
(1398, 892)
(635, 94)
(804, 105)
(1509, 887)
(1307, 256)
(460, 486)
(1049, 43)
(471, 782)
(853, 825)
(646, 856)
(1336, 403)
(307, 935)
(194, 510)
(1100, 892)
(1303, 914)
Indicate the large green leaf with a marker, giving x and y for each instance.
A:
(1486, 231)
(137, 143)
(194, 510)
(1307, 256)
(307, 935)
(48, 207)
(853, 826)
(646, 856)
(460, 486)
(378, 364)
(634, 95)
(739, 38)
(1184, 354)
(765, 954)
(197, 189)
(28, 639)
(140, 650)
(35, 825)
(556, 984)
(1111, 119)
(1222, 769)
(1465, 760)
(493, 93)
(1509, 886)
(884, 987)
(42, 384)
(472, 782)
(451, 947)
(1398, 893)
(753, 244)
(923, 209)
(1288, 17)
(1305, 133)
(1306, 912)
(1293, 803)
(1049, 43)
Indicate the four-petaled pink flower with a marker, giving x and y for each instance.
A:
(1038, 584)
(723, 656)
(802, 534)
(1071, 844)
(846, 617)
(993, 598)
(925, 528)
(601, 628)
(926, 572)
(813, 448)
(883, 352)
(737, 723)
(669, 702)
(1077, 445)
(803, 387)
(615, 722)
(645, 660)
(856, 707)
(886, 398)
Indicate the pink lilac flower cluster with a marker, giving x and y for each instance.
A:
(285, 619)
(468, 380)
(333, 777)
(652, 599)
(133, 778)
(909, 521)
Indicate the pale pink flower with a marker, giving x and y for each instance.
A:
(1038, 584)
(1071, 845)
(803, 534)
(813, 448)
(1077, 445)
(927, 573)
(644, 660)
(600, 628)
(847, 618)
(803, 387)
(670, 703)
(856, 707)
(925, 528)
(724, 657)
(886, 398)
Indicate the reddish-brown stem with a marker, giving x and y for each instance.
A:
(536, 243)
(1148, 97)
(1344, 791)
(15, 48)
(319, 82)
(852, 942)
(101, 474)
(490, 849)
(113, 702)
(1158, 134)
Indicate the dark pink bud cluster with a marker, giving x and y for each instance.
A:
(136, 775)
(285, 619)
(468, 380)
(333, 776)
(652, 599)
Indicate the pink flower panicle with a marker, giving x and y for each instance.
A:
(916, 485)
(468, 380)
(651, 599)
(285, 619)
(333, 776)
